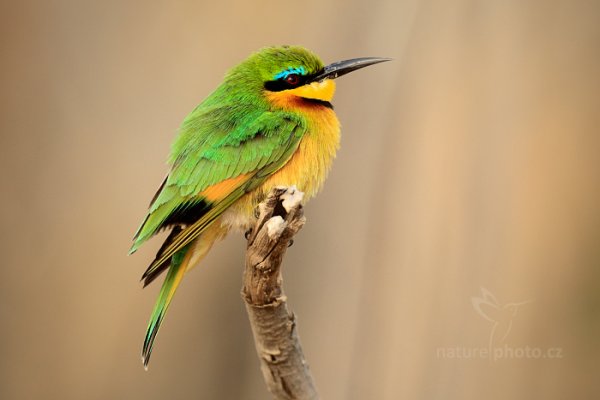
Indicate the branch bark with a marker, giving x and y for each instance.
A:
(284, 368)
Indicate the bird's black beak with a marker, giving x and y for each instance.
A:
(340, 68)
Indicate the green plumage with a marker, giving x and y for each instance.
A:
(237, 142)
(233, 131)
(162, 304)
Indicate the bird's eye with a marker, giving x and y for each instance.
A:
(292, 79)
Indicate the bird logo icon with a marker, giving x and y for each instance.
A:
(501, 316)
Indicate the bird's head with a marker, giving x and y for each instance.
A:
(288, 75)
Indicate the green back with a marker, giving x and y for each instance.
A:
(234, 131)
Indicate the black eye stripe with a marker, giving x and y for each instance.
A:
(279, 85)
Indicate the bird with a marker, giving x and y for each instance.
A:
(269, 123)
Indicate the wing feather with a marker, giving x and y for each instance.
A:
(193, 231)
(250, 149)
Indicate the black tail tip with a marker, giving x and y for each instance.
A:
(145, 360)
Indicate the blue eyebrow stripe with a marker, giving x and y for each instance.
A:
(290, 70)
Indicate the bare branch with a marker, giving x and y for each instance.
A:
(284, 368)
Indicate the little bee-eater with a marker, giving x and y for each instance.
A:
(270, 123)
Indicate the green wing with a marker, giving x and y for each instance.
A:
(212, 148)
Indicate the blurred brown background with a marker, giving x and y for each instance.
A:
(471, 161)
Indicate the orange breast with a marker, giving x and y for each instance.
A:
(308, 166)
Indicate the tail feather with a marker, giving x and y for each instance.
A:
(178, 267)
(151, 274)
(180, 262)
